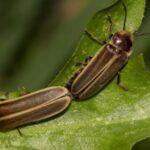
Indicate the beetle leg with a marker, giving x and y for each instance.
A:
(19, 131)
(94, 38)
(79, 64)
(69, 83)
(110, 27)
(87, 60)
(119, 83)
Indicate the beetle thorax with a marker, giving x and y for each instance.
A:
(122, 41)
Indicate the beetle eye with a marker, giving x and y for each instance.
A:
(118, 41)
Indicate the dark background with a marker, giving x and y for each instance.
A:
(37, 37)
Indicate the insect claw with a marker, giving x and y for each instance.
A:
(123, 87)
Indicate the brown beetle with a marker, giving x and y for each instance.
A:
(107, 62)
(33, 107)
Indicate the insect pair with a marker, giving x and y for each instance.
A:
(86, 82)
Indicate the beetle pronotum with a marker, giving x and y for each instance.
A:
(33, 107)
(104, 65)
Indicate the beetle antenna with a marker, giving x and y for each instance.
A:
(125, 15)
(141, 34)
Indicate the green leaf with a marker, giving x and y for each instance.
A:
(111, 120)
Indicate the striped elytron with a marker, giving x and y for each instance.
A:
(33, 107)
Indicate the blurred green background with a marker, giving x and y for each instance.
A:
(37, 37)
